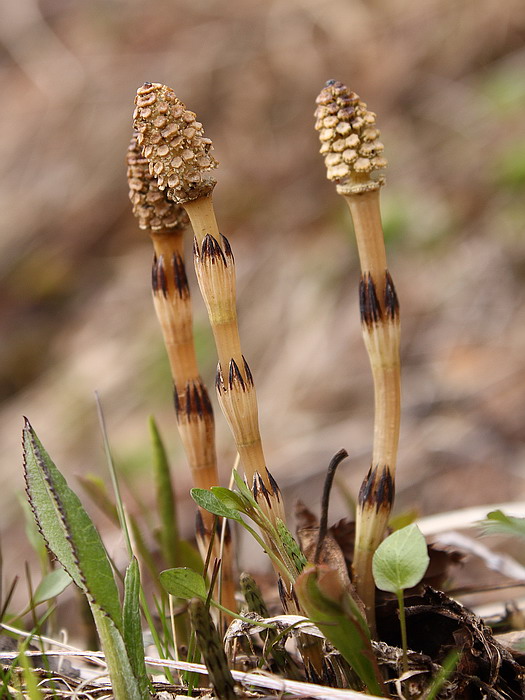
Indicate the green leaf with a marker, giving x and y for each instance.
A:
(190, 556)
(243, 489)
(183, 583)
(67, 528)
(132, 625)
(124, 684)
(499, 523)
(166, 504)
(229, 498)
(447, 669)
(207, 500)
(401, 560)
(51, 585)
(328, 603)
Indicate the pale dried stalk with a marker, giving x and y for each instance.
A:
(353, 157)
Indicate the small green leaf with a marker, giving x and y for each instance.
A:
(209, 501)
(132, 625)
(229, 498)
(243, 489)
(499, 523)
(51, 585)
(401, 560)
(183, 583)
(67, 528)
(190, 556)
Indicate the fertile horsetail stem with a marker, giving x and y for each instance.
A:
(353, 157)
(180, 157)
(166, 223)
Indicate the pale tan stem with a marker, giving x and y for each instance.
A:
(202, 218)
(380, 322)
(174, 312)
(216, 275)
(387, 400)
(195, 421)
(366, 215)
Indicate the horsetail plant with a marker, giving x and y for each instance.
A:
(166, 223)
(354, 162)
(179, 156)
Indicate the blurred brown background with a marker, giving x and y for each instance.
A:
(447, 79)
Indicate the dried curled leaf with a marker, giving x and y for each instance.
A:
(173, 141)
(349, 140)
(287, 624)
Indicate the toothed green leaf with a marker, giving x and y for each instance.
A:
(400, 561)
(183, 583)
(67, 528)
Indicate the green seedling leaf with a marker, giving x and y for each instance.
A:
(190, 556)
(184, 583)
(499, 523)
(330, 606)
(243, 489)
(166, 504)
(447, 669)
(229, 498)
(67, 529)
(132, 625)
(400, 561)
(51, 586)
(209, 501)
